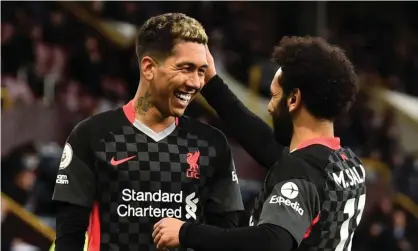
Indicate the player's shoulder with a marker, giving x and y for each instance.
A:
(320, 156)
(297, 164)
(315, 155)
(315, 159)
(303, 164)
(203, 130)
(100, 123)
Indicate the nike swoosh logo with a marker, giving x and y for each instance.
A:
(118, 162)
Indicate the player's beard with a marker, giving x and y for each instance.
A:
(282, 124)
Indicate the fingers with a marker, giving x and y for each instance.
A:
(157, 238)
(157, 229)
(161, 233)
(158, 223)
(158, 233)
(162, 242)
(160, 246)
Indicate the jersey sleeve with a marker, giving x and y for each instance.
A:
(253, 134)
(75, 182)
(224, 190)
(293, 205)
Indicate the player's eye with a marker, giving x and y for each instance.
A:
(202, 72)
(186, 69)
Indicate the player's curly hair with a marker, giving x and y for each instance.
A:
(322, 72)
(159, 34)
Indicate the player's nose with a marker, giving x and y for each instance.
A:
(192, 84)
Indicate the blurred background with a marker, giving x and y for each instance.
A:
(62, 62)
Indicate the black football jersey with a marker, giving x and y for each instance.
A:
(317, 193)
(131, 177)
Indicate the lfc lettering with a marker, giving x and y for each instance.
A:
(193, 171)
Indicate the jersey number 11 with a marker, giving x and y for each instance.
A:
(345, 234)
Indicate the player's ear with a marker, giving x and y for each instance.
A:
(148, 67)
(294, 100)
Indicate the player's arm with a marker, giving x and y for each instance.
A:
(284, 223)
(74, 190)
(255, 136)
(72, 222)
(224, 201)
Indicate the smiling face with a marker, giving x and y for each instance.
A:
(178, 78)
(172, 56)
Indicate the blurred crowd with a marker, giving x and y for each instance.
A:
(56, 70)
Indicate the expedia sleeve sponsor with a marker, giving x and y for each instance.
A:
(292, 205)
(75, 182)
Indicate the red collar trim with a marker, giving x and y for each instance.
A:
(330, 142)
(129, 111)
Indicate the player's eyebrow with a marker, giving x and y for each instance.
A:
(192, 65)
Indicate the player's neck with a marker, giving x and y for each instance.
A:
(148, 114)
(309, 129)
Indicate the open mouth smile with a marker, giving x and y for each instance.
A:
(183, 97)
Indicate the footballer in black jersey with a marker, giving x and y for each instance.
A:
(118, 176)
(314, 193)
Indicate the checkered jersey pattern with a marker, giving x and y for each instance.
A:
(157, 166)
(261, 198)
(341, 208)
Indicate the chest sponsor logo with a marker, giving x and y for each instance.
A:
(190, 201)
(192, 160)
(191, 206)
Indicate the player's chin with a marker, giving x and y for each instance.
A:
(177, 112)
(178, 106)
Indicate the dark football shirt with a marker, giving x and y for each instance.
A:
(131, 177)
(316, 193)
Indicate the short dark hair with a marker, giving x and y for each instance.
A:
(322, 72)
(159, 34)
